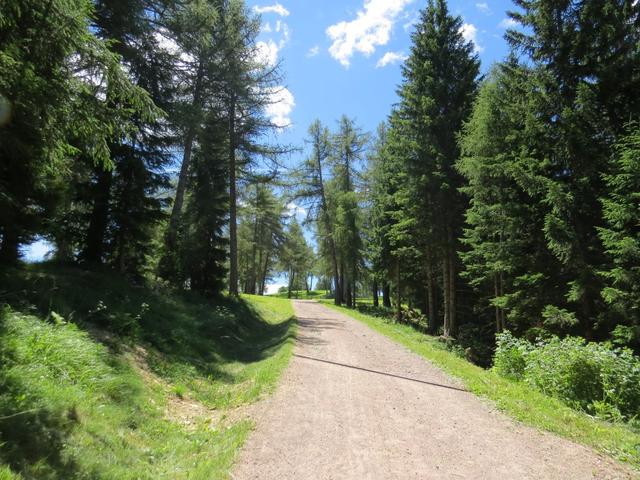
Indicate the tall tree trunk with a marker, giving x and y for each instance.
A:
(431, 301)
(259, 279)
(449, 273)
(94, 248)
(347, 292)
(446, 291)
(374, 289)
(353, 289)
(176, 211)
(398, 294)
(233, 226)
(9, 252)
(264, 273)
(292, 279)
(329, 226)
(386, 295)
(253, 274)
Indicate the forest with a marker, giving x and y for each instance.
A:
(135, 137)
(497, 211)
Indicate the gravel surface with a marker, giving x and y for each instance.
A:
(355, 405)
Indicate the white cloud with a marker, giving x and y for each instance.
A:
(508, 23)
(267, 52)
(371, 28)
(313, 51)
(266, 28)
(470, 32)
(280, 106)
(390, 58)
(484, 8)
(293, 209)
(276, 8)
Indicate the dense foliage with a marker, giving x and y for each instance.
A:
(102, 101)
(595, 377)
(510, 202)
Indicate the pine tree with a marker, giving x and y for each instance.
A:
(311, 181)
(296, 256)
(260, 235)
(348, 150)
(621, 236)
(70, 97)
(506, 258)
(440, 81)
(576, 50)
(203, 242)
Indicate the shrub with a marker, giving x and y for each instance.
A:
(594, 377)
(510, 356)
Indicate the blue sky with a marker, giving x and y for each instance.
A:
(344, 56)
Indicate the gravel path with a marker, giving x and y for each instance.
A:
(355, 405)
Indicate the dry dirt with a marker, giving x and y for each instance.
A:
(379, 411)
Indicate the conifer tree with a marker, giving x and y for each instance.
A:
(621, 236)
(69, 98)
(440, 81)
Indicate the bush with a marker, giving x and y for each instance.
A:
(510, 357)
(594, 377)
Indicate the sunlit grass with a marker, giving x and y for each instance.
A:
(75, 401)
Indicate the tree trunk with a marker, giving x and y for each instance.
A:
(347, 292)
(398, 296)
(264, 273)
(292, 278)
(253, 271)
(446, 292)
(176, 211)
(452, 293)
(94, 248)
(354, 295)
(431, 301)
(233, 226)
(386, 295)
(9, 252)
(376, 302)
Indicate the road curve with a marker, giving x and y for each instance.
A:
(355, 405)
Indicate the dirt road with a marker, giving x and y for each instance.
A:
(356, 405)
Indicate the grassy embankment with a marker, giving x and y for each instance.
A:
(516, 399)
(103, 380)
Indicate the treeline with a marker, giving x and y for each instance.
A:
(101, 101)
(329, 183)
(505, 201)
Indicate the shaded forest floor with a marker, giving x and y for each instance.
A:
(103, 379)
(618, 440)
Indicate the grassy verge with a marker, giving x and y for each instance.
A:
(516, 399)
(80, 401)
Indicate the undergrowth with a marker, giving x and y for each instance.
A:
(74, 405)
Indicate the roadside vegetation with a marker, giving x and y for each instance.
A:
(103, 379)
(518, 399)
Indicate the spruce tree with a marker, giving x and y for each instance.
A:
(440, 81)
(621, 236)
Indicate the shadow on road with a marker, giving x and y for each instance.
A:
(380, 373)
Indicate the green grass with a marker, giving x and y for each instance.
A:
(76, 401)
(516, 399)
